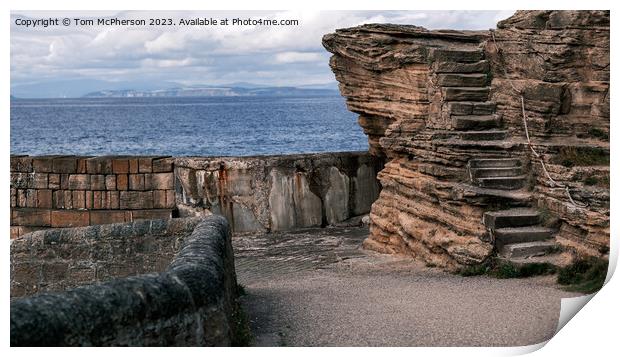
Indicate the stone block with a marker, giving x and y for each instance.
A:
(99, 165)
(170, 199)
(136, 199)
(151, 214)
(79, 182)
(98, 199)
(462, 80)
(148, 182)
(31, 198)
(64, 165)
(110, 182)
(21, 198)
(120, 166)
(42, 164)
(164, 164)
(64, 181)
(145, 165)
(31, 217)
(465, 94)
(44, 199)
(159, 199)
(448, 55)
(163, 181)
(97, 182)
(136, 182)
(456, 67)
(68, 198)
(122, 182)
(58, 199)
(21, 164)
(81, 165)
(39, 181)
(88, 199)
(133, 166)
(111, 200)
(70, 218)
(13, 197)
(107, 217)
(15, 230)
(22, 180)
(53, 181)
(79, 199)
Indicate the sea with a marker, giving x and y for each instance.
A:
(184, 126)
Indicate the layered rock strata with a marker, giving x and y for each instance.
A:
(438, 103)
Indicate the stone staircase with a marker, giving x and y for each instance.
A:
(516, 232)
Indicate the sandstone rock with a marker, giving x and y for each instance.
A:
(426, 103)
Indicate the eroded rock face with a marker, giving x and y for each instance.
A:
(433, 101)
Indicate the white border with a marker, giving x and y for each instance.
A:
(593, 331)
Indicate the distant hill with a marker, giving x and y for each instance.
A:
(223, 91)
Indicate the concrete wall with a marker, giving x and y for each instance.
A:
(193, 302)
(255, 193)
(274, 193)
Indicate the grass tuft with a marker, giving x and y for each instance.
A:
(505, 270)
(582, 156)
(586, 275)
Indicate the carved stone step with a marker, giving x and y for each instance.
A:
(454, 55)
(484, 135)
(486, 196)
(502, 162)
(459, 94)
(496, 172)
(468, 122)
(471, 108)
(505, 183)
(514, 217)
(527, 249)
(456, 67)
(463, 80)
(504, 236)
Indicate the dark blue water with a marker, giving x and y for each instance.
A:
(184, 126)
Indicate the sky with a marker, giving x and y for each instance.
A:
(57, 61)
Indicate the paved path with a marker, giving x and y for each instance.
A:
(318, 288)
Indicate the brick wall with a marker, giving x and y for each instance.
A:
(71, 191)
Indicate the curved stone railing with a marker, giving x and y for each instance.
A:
(192, 303)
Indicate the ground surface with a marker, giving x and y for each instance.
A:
(318, 288)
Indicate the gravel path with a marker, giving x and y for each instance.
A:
(318, 288)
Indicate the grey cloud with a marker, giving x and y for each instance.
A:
(290, 55)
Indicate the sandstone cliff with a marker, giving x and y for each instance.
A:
(441, 108)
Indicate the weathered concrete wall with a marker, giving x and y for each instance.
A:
(193, 302)
(431, 102)
(61, 258)
(254, 193)
(274, 193)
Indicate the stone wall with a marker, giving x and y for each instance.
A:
(255, 193)
(61, 258)
(192, 302)
(73, 191)
(433, 102)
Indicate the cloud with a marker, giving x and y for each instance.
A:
(292, 57)
(274, 55)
